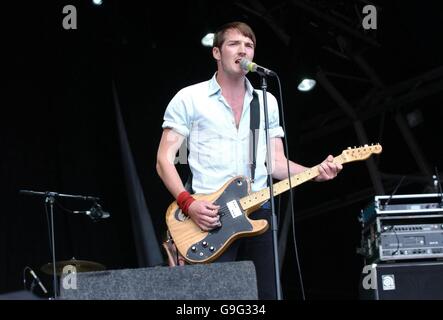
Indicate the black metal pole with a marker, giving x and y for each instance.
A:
(50, 199)
(274, 224)
(56, 194)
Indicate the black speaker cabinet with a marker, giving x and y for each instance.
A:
(215, 281)
(402, 281)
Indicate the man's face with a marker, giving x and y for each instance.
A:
(235, 47)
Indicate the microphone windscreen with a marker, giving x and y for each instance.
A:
(245, 63)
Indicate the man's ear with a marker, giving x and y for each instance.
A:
(216, 53)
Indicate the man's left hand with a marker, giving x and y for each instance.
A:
(328, 169)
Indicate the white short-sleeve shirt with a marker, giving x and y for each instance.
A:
(218, 150)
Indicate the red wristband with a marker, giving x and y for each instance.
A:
(184, 200)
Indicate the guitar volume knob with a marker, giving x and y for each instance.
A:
(193, 248)
(211, 248)
(204, 244)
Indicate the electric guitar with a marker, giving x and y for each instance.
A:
(236, 203)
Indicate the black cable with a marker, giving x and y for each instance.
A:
(290, 192)
(392, 228)
(60, 206)
(278, 210)
(24, 277)
(394, 192)
(33, 283)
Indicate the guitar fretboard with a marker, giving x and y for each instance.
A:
(261, 196)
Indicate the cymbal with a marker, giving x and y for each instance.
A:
(79, 265)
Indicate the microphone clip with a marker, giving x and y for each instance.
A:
(97, 212)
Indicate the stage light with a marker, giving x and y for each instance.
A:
(97, 2)
(306, 85)
(208, 40)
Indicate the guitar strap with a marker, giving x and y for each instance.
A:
(188, 184)
(254, 111)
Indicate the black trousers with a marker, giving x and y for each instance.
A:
(259, 250)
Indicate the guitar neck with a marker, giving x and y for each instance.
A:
(261, 196)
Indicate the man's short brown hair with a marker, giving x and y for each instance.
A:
(244, 29)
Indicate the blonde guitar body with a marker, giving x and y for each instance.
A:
(198, 246)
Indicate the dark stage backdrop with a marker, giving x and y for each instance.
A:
(59, 130)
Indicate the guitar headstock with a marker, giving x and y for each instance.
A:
(361, 153)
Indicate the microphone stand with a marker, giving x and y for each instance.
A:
(50, 198)
(274, 224)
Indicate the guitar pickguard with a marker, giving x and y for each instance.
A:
(180, 216)
(233, 221)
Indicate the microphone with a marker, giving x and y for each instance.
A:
(38, 280)
(253, 67)
(95, 213)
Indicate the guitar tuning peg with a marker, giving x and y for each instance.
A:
(365, 145)
(349, 148)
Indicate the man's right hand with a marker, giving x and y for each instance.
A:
(204, 214)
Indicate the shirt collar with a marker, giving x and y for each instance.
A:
(214, 87)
